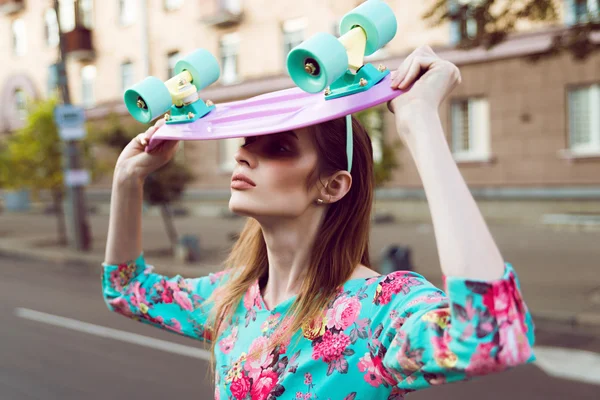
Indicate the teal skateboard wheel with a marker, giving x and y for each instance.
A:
(378, 21)
(203, 67)
(316, 63)
(148, 99)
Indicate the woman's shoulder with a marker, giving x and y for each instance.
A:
(396, 289)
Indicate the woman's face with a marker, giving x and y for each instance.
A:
(277, 168)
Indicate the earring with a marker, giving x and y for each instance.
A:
(319, 201)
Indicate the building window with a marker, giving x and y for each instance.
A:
(66, 14)
(127, 12)
(584, 119)
(21, 104)
(86, 13)
(51, 31)
(231, 6)
(19, 37)
(227, 150)
(293, 35)
(171, 5)
(172, 59)
(229, 47)
(470, 124)
(127, 75)
(88, 80)
(581, 11)
(463, 23)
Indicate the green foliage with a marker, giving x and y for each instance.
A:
(374, 122)
(167, 184)
(164, 186)
(32, 157)
(495, 19)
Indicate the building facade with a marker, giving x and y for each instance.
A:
(524, 130)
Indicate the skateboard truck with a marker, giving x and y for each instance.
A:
(152, 97)
(359, 77)
(336, 65)
(187, 105)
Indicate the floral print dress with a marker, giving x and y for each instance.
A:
(379, 338)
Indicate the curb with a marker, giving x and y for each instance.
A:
(63, 258)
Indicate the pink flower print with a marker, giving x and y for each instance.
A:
(306, 396)
(174, 326)
(396, 282)
(258, 357)
(121, 306)
(366, 365)
(183, 300)
(331, 347)
(299, 395)
(376, 373)
(252, 297)
(270, 322)
(264, 384)
(227, 343)
(482, 362)
(279, 333)
(372, 280)
(515, 348)
(240, 387)
(343, 313)
(138, 298)
(214, 277)
(121, 276)
(307, 379)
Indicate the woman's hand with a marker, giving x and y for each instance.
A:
(135, 162)
(432, 79)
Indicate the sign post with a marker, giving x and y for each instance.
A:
(70, 121)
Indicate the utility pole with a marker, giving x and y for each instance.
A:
(76, 211)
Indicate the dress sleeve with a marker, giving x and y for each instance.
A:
(477, 329)
(175, 304)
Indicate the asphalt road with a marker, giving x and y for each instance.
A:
(39, 360)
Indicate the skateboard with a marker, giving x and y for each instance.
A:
(330, 75)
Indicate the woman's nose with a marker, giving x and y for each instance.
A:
(243, 156)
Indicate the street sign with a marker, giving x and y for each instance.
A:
(70, 121)
(77, 177)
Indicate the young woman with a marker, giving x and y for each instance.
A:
(298, 313)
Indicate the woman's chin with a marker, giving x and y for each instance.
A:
(241, 208)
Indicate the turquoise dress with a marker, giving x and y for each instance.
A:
(380, 338)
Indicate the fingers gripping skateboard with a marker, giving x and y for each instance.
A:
(152, 97)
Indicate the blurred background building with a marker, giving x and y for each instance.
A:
(524, 126)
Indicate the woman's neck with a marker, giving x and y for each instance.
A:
(289, 246)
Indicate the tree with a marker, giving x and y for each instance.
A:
(33, 159)
(373, 121)
(161, 188)
(487, 22)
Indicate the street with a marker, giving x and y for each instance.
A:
(54, 345)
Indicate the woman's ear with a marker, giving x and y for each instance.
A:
(336, 187)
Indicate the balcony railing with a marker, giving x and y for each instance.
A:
(223, 13)
(78, 44)
(11, 6)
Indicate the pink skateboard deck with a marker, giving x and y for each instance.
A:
(274, 112)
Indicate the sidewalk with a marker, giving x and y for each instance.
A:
(559, 270)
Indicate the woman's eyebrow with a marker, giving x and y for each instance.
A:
(291, 133)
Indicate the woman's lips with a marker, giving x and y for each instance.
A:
(241, 185)
(240, 181)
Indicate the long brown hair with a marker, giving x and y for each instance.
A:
(341, 244)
